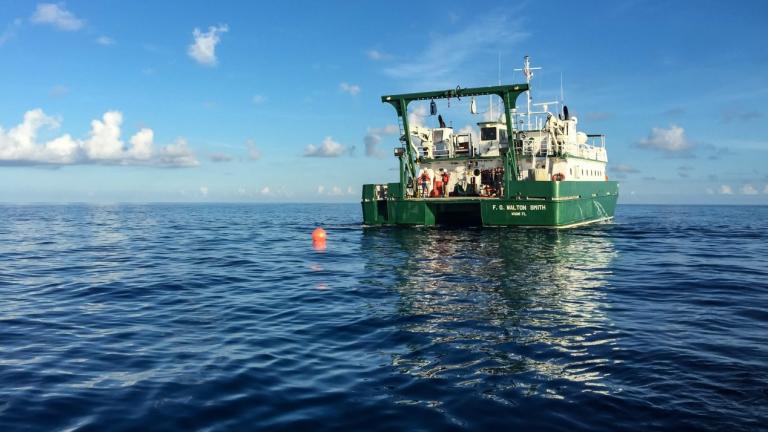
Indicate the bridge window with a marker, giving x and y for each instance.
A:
(488, 133)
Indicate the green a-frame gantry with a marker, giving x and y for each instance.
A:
(508, 95)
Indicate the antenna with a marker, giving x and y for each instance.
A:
(528, 72)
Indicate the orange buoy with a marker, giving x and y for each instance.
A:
(318, 235)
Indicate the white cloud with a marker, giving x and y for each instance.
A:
(417, 115)
(373, 138)
(445, 58)
(19, 145)
(725, 190)
(765, 189)
(141, 144)
(334, 191)
(670, 140)
(58, 16)
(350, 88)
(265, 190)
(329, 148)
(105, 142)
(203, 49)
(105, 41)
(748, 189)
(350, 190)
(204, 191)
(258, 99)
(177, 154)
(377, 55)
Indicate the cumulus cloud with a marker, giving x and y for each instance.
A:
(265, 190)
(329, 148)
(320, 189)
(350, 88)
(748, 189)
(374, 137)
(177, 154)
(203, 48)
(105, 41)
(55, 14)
(417, 115)
(258, 99)
(725, 190)
(670, 140)
(204, 191)
(19, 145)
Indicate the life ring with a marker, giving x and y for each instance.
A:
(558, 177)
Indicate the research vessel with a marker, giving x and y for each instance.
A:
(531, 168)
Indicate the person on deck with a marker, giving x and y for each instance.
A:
(446, 177)
(424, 183)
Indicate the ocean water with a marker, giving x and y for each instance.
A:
(224, 317)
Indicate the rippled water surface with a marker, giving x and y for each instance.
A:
(224, 317)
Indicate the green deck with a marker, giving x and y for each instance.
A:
(555, 204)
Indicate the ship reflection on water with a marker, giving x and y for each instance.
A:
(503, 310)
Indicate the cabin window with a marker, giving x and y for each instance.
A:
(437, 136)
(488, 133)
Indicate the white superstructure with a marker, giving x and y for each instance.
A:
(548, 146)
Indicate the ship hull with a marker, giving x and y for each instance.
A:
(542, 204)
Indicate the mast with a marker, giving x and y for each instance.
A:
(528, 72)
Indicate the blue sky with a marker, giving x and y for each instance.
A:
(239, 101)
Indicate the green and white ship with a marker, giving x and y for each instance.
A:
(526, 169)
